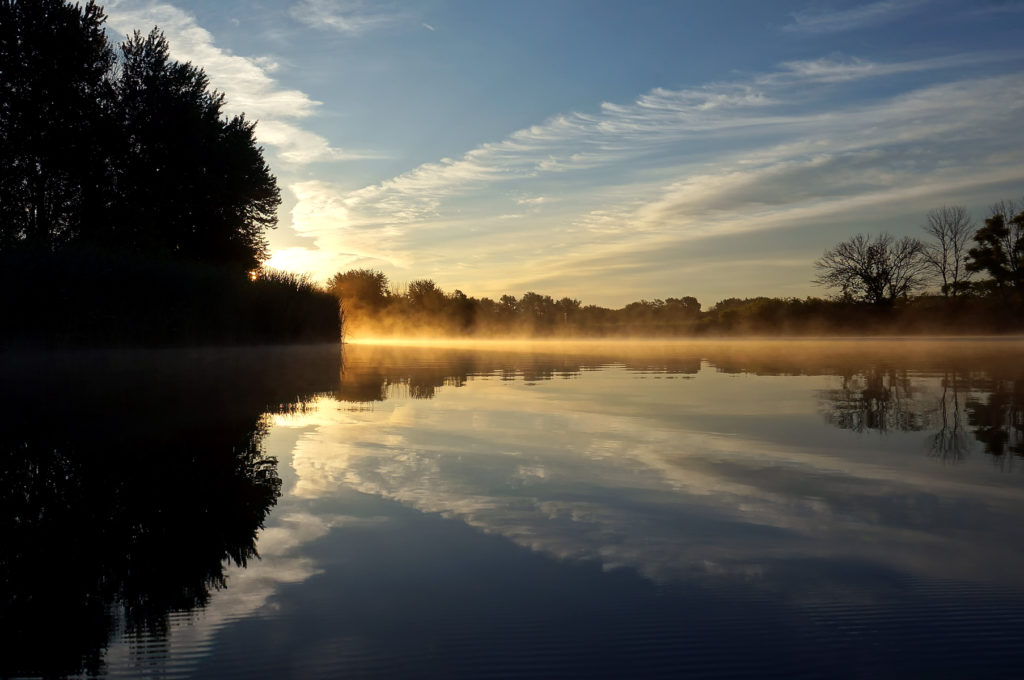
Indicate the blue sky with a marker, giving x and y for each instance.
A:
(610, 151)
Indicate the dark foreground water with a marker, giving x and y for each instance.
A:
(783, 509)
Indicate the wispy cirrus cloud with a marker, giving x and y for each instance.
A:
(760, 153)
(835, 21)
(351, 17)
(836, 69)
(247, 82)
(998, 7)
(576, 142)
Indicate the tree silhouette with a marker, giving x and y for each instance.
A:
(133, 155)
(877, 271)
(425, 297)
(362, 287)
(461, 311)
(1000, 249)
(55, 69)
(951, 227)
(131, 208)
(362, 293)
(194, 183)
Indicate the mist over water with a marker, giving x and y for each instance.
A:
(786, 508)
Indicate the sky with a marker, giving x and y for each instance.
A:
(609, 151)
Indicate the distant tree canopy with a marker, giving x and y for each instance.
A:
(367, 288)
(885, 285)
(373, 307)
(126, 150)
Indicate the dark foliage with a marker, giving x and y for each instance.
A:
(190, 182)
(93, 297)
(879, 282)
(131, 208)
(1000, 252)
(56, 122)
(426, 310)
(133, 154)
(371, 308)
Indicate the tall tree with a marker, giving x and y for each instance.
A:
(55, 65)
(364, 288)
(951, 229)
(877, 271)
(425, 297)
(133, 154)
(1000, 248)
(194, 182)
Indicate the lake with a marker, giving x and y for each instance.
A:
(785, 508)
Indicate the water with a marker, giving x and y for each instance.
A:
(786, 509)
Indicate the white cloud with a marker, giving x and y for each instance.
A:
(546, 492)
(246, 81)
(818, 21)
(351, 17)
(321, 211)
(672, 166)
(837, 69)
(299, 146)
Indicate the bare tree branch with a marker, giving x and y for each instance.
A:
(951, 227)
(877, 271)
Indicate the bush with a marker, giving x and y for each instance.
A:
(102, 298)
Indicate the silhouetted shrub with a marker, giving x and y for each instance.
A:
(99, 298)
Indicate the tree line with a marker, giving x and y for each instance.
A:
(960, 278)
(118, 160)
(964, 260)
(373, 307)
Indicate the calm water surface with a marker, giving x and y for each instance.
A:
(742, 509)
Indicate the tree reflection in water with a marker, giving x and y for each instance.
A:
(130, 482)
(877, 398)
(998, 418)
(883, 386)
(381, 372)
(984, 402)
(951, 441)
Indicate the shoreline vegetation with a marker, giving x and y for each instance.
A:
(884, 287)
(132, 209)
(101, 298)
(482, 319)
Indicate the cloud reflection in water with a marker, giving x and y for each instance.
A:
(724, 472)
